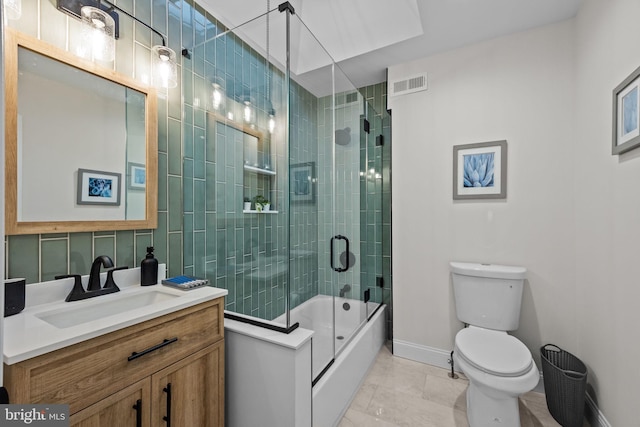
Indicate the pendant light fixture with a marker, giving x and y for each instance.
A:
(272, 112)
(98, 35)
(101, 24)
(164, 68)
(272, 120)
(218, 96)
(248, 112)
(13, 9)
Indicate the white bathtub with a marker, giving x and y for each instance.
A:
(317, 315)
(279, 399)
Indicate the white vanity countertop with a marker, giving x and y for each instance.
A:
(27, 335)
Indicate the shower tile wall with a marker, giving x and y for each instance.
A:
(305, 245)
(201, 229)
(247, 252)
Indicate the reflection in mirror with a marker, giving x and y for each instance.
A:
(245, 151)
(81, 144)
(101, 112)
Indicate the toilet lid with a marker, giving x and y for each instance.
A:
(494, 352)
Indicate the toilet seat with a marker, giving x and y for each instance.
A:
(493, 352)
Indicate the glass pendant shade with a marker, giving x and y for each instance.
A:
(217, 97)
(13, 9)
(272, 120)
(98, 35)
(165, 70)
(248, 112)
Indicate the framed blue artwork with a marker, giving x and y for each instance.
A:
(136, 176)
(626, 114)
(302, 183)
(480, 171)
(98, 188)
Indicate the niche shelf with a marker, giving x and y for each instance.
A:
(258, 170)
(253, 211)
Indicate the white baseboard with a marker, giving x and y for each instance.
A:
(594, 415)
(422, 353)
(434, 356)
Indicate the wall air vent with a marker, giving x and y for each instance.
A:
(347, 100)
(411, 84)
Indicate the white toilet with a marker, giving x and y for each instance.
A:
(499, 367)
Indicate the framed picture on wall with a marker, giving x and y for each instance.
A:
(136, 176)
(302, 182)
(626, 114)
(480, 171)
(98, 188)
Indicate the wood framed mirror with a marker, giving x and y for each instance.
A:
(80, 143)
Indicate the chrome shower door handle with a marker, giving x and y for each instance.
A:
(338, 269)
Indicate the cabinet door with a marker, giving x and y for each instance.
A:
(191, 392)
(130, 407)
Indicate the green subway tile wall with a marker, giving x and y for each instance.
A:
(201, 179)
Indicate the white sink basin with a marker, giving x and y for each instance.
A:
(97, 308)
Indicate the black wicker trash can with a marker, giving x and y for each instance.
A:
(565, 382)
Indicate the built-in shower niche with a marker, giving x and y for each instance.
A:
(252, 152)
(259, 173)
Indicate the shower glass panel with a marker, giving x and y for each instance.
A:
(282, 179)
(371, 210)
(312, 192)
(235, 168)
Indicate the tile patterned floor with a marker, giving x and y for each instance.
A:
(400, 392)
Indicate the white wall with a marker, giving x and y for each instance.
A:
(88, 144)
(516, 88)
(571, 216)
(607, 211)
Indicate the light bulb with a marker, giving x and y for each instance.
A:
(97, 23)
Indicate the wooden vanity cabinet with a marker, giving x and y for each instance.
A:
(124, 408)
(112, 381)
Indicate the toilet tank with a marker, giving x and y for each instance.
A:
(488, 295)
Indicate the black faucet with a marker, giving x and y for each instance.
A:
(344, 290)
(93, 289)
(94, 275)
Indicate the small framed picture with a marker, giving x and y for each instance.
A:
(302, 183)
(98, 188)
(480, 171)
(626, 114)
(136, 176)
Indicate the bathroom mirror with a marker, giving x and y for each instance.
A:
(80, 141)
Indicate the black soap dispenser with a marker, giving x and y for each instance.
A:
(149, 269)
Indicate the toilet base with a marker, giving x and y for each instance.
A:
(487, 411)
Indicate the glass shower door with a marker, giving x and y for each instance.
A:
(345, 245)
(334, 201)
